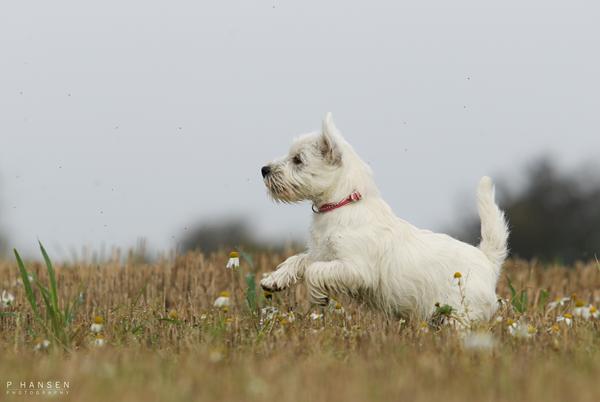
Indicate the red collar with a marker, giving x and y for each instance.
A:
(354, 197)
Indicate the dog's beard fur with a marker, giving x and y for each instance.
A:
(283, 189)
(365, 251)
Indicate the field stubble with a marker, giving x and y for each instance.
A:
(158, 336)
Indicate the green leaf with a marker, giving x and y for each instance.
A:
(248, 259)
(518, 301)
(27, 285)
(251, 291)
(52, 277)
(544, 295)
(513, 292)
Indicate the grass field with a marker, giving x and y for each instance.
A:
(161, 338)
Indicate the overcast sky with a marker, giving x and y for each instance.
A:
(127, 119)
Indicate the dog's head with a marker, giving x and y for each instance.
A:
(316, 165)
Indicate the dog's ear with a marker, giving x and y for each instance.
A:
(328, 143)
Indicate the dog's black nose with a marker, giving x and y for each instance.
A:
(265, 171)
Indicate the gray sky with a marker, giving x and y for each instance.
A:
(127, 119)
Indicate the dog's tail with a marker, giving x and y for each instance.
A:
(494, 229)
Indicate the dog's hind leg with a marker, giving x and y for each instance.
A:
(286, 274)
(323, 277)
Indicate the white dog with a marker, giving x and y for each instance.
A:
(358, 247)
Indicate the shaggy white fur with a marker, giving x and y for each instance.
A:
(363, 250)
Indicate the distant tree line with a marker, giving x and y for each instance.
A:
(554, 217)
(225, 234)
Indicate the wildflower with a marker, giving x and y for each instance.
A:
(41, 344)
(336, 306)
(234, 260)
(479, 341)
(558, 303)
(269, 312)
(223, 300)
(520, 329)
(567, 318)
(457, 275)
(173, 315)
(7, 299)
(289, 317)
(424, 327)
(203, 317)
(315, 316)
(98, 324)
(19, 281)
(99, 341)
(586, 312)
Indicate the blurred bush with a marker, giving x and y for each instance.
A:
(227, 234)
(554, 216)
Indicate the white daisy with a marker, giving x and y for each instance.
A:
(336, 307)
(223, 300)
(520, 329)
(315, 316)
(234, 260)
(566, 318)
(586, 312)
(289, 317)
(558, 303)
(99, 341)
(97, 325)
(41, 344)
(7, 299)
(479, 341)
(269, 312)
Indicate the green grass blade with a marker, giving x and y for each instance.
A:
(544, 295)
(251, 292)
(52, 277)
(54, 316)
(27, 285)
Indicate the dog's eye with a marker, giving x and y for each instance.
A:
(297, 160)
